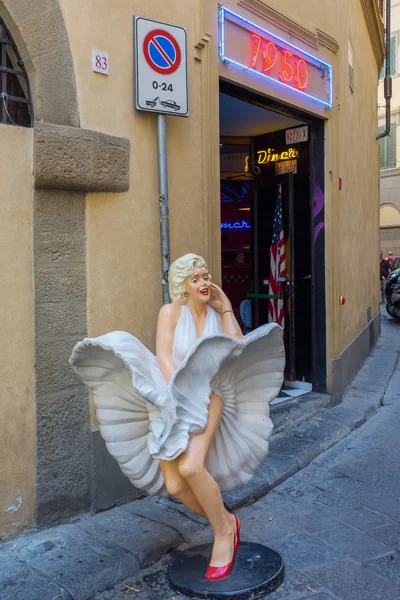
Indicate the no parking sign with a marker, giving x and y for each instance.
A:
(161, 84)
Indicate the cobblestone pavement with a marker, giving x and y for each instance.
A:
(336, 522)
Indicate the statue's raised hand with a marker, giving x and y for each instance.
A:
(219, 300)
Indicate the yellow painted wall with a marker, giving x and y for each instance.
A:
(124, 276)
(123, 230)
(17, 401)
(357, 230)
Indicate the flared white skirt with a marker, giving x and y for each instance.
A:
(143, 420)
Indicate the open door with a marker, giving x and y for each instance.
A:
(296, 290)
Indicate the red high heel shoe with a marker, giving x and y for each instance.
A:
(237, 534)
(217, 573)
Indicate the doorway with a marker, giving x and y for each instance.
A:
(269, 215)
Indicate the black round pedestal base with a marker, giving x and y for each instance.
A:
(257, 571)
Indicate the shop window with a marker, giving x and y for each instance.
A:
(388, 148)
(15, 96)
(393, 58)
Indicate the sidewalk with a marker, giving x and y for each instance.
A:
(93, 553)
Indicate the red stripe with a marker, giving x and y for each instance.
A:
(161, 51)
(276, 310)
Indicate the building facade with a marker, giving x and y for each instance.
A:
(282, 104)
(390, 147)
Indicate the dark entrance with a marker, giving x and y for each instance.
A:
(259, 169)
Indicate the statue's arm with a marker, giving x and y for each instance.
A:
(167, 321)
(223, 307)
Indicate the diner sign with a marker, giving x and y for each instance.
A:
(249, 47)
(270, 155)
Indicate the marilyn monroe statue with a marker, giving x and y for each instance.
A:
(194, 420)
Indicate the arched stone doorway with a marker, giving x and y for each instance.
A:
(64, 472)
(39, 31)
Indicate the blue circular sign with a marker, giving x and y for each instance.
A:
(162, 52)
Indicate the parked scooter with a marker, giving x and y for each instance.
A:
(392, 292)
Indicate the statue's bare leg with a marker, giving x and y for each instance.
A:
(178, 487)
(205, 489)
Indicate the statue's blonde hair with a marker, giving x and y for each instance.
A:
(180, 270)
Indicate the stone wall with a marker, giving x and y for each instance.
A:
(63, 460)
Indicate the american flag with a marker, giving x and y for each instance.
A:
(278, 265)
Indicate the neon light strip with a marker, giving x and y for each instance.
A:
(236, 225)
(314, 59)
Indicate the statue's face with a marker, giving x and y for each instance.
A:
(198, 285)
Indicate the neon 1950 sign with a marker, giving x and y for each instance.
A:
(266, 55)
(248, 46)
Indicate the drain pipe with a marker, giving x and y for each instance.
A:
(388, 79)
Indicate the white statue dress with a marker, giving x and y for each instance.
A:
(142, 419)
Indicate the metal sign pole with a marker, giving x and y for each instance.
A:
(161, 86)
(163, 198)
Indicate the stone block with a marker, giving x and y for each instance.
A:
(351, 416)
(371, 459)
(387, 567)
(248, 493)
(365, 382)
(364, 519)
(110, 162)
(305, 551)
(150, 584)
(80, 563)
(276, 469)
(359, 494)
(307, 496)
(19, 582)
(267, 522)
(348, 580)
(297, 586)
(80, 159)
(120, 591)
(354, 544)
(61, 318)
(59, 284)
(63, 489)
(23, 15)
(62, 426)
(59, 210)
(322, 431)
(53, 372)
(157, 584)
(146, 540)
(392, 396)
(303, 450)
(110, 485)
(59, 248)
(57, 104)
(182, 509)
(387, 534)
(166, 512)
(370, 399)
(294, 412)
